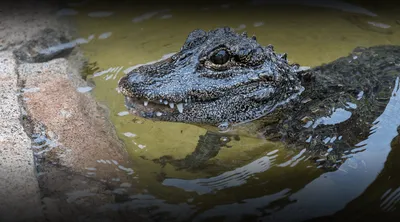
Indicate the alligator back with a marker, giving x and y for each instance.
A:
(340, 104)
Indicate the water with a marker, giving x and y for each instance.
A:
(252, 178)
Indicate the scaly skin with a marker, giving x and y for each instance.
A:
(246, 82)
(252, 81)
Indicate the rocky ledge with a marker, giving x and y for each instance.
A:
(61, 158)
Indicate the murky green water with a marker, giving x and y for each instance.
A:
(252, 178)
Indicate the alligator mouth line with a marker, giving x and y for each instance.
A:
(158, 108)
(146, 107)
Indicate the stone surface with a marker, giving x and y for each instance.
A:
(21, 19)
(77, 119)
(19, 190)
(56, 67)
(44, 46)
(60, 178)
(8, 66)
(85, 155)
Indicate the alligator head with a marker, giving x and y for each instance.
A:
(217, 77)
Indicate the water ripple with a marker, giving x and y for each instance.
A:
(232, 178)
(390, 199)
(328, 193)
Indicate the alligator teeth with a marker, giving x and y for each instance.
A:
(180, 107)
(171, 105)
(158, 114)
(165, 102)
(146, 103)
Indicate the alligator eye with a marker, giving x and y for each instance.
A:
(221, 57)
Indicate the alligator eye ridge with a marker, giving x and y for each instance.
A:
(221, 57)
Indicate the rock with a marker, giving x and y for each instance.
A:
(19, 190)
(3, 46)
(46, 45)
(75, 117)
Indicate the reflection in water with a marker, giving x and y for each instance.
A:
(144, 17)
(105, 35)
(323, 196)
(380, 25)
(152, 62)
(336, 4)
(67, 12)
(100, 14)
(329, 193)
(68, 45)
(145, 202)
(234, 212)
(240, 27)
(390, 199)
(113, 70)
(294, 160)
(166, 16)
(228, 179)
(148, 15)
(84, 89)
(338, 115)
(381, 199)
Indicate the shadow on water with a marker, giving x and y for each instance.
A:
(250, 178)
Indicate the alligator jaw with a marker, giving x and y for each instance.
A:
(159, 107)
(152, 109)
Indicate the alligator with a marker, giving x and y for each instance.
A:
(221, 79)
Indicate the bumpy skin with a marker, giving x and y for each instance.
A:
(247, 82)
(252, 81)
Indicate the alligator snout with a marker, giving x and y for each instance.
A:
(125, 83)
(131, 81)
(132, 78)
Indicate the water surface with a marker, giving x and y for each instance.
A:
(253, 178)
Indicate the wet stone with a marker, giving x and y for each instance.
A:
(46, 45)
